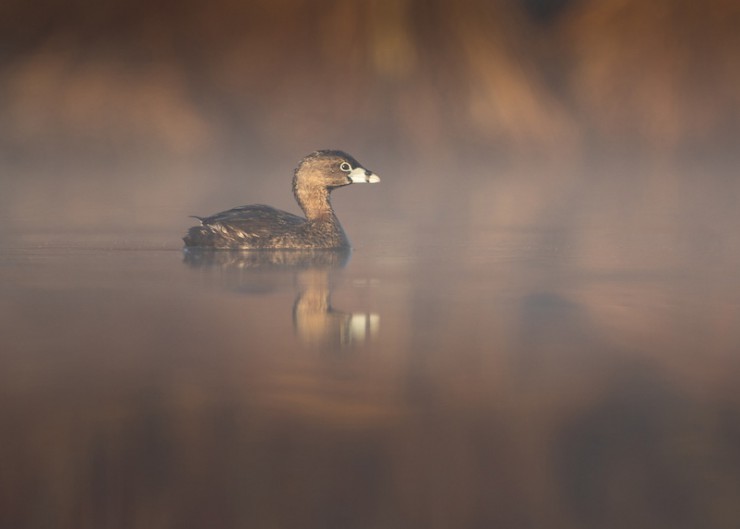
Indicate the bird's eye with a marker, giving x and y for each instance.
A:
(347, 168)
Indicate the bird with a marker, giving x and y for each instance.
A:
(261, 227)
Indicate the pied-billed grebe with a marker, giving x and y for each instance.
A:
(263, 227)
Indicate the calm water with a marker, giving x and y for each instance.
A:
(510, 379)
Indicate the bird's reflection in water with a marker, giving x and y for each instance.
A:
(315, 321)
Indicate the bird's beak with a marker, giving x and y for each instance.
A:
(361, 175)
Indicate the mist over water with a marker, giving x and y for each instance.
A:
(538, 324)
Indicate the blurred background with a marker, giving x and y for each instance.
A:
(130, 114)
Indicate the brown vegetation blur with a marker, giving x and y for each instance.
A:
(135, 114)
(185, 77)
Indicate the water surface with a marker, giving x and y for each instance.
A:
(507, 378)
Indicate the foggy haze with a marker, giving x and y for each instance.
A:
(126, 116)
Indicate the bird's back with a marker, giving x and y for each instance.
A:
(256, 226)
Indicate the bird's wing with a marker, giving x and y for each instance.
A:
(256, 219)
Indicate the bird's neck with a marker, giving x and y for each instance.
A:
(315, 204)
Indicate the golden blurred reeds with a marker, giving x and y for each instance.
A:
(662, 75)
(181, 77)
